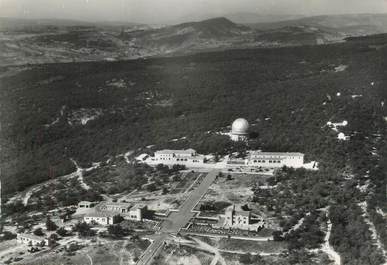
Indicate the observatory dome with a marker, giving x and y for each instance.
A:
(240, 127)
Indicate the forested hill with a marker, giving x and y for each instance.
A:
(90, 111)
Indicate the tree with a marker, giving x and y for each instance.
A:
(62, 232)
(38, 232)
(164, 191)
(277, 236)
(118, 219)
(117, 231)
(176, 178)
(52, 240)
(151, 187)
(50, 225)
(177, 167)
(84, 230)
(246, 258)
(7, 236)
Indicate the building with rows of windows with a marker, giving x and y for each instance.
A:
(240, 217)
(191, 159)
(188, 158)
(274, 160)
(105, 213)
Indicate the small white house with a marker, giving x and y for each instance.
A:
(100, 218)
(86, 204)
(31, 240)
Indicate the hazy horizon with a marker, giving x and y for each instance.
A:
(175, 11)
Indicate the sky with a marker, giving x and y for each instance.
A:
(171, 11)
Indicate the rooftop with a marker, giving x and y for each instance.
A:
(31, 236)
(116, 204)
(138, 206)
(237, 209)
(167, 151)
(260, 153)
(85, 202)
(100, 214)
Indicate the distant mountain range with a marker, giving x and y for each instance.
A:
(41, 41)
(211, 33)
(20, 24)
(358, 24)
(255, 18)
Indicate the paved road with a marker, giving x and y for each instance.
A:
(178, 220)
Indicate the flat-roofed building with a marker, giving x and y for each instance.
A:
(117, 207)
(137, 212)
(188, 158)
(31, 240)
(86, 204)
(101, 218)
(240, 217)
(274, 159)
(235, 215)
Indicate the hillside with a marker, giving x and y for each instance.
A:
(248, 18)
(212, 33)
(344, 25)
(125, 105)
(52, 42)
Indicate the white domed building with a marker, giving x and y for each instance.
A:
(239, 130)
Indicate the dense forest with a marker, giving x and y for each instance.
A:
(288, 93)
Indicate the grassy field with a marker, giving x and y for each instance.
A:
(235, 189)
(175, 255)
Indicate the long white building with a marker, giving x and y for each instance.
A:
(188, 158)
(274, 159)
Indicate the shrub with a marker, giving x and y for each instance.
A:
(62, 232)
(117, 231)
(84, 230)
(50, 225)
(7, 236)
(38, 232)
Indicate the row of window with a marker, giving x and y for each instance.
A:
(272, 157)
(180, 159)
(270, 161)
(27, 239)
(96, 218)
